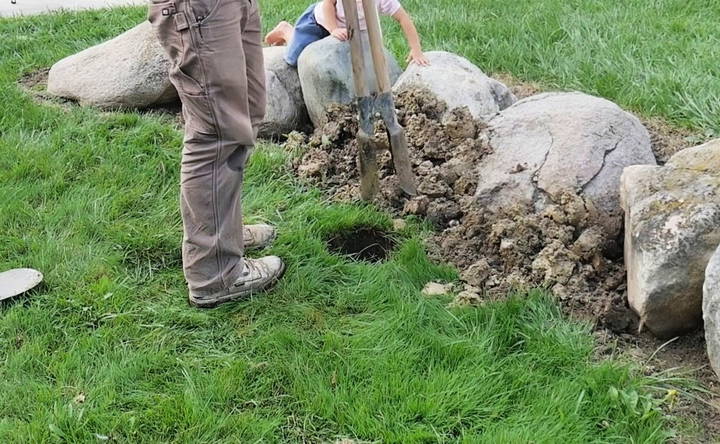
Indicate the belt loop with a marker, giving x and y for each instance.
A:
(181, 22)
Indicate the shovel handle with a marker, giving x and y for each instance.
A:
(372, 19)
(356, 49)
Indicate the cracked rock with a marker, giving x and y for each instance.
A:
(565, 142)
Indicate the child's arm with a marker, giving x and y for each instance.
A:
(328, 8)
(413, 39)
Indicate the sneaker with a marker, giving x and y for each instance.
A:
(259, 275)
(258, 236)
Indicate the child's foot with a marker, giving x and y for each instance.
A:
(281, 35)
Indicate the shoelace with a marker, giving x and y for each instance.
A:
(248, 236)
(252, 266)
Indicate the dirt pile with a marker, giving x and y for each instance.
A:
(558, 247)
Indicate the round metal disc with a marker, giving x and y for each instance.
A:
(16, 282)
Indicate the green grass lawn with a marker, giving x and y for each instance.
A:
(108, 348)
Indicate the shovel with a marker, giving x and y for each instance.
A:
(380, 102)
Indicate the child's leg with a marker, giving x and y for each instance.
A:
(281, 35)
(307, 30)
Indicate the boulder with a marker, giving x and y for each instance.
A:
(129, 71)
(711, 310)
(672, 228)
(457, 82)
(326, 75)
(286, 110)
(552, 144)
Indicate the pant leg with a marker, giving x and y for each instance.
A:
(255, 66)
(204, 40)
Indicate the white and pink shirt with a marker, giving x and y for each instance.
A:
(385, 7)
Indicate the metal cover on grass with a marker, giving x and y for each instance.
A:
(16, 282)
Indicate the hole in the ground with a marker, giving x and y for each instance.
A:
(367, 244)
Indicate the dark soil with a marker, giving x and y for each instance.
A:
(367, 244)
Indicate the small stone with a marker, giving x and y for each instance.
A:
(399, 224)
(437, 289)
(470, 296)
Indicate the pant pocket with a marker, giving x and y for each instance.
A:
(204, 9)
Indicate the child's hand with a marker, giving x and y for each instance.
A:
(418, 57)
(340, 34)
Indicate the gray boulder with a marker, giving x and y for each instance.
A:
(129, 71)
(672, 228)
(711, 310)
(286, 110)
(457, 82)
(552, 144)
(325, 73)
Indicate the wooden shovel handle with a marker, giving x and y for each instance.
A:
(356, 49)
(372, 19)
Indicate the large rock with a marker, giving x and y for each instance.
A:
(551, 144)
(325, 73)
(129, 71)
(711, 310)
(286, 110)
(457, 82)
(672, 228)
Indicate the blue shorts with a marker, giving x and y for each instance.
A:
(307, 31)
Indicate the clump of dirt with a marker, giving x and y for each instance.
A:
(443, 154)
(558, 247)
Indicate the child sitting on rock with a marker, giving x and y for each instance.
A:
(328, 18)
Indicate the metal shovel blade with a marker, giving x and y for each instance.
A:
(367, 150)
(367, 164)
(398, 143)
(401, 160)
(16, 282)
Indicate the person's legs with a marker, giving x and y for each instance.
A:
(205, 41)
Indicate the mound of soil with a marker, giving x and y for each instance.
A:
(558, 247)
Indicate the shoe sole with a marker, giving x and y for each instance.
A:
(236, 296)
